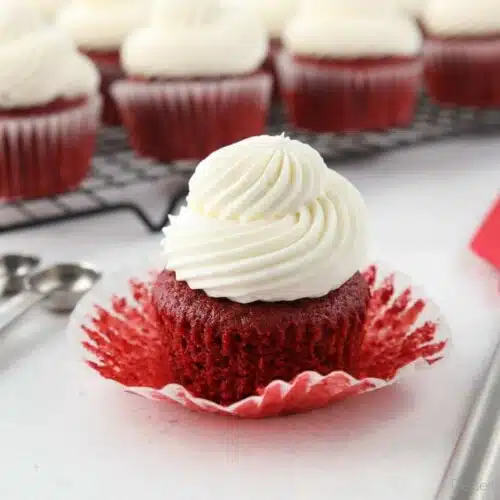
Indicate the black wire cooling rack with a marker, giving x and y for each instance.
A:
(116, 169)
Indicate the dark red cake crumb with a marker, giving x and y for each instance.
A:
(225, 351)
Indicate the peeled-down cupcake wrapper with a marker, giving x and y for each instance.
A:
(113, 329)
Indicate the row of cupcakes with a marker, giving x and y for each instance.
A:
(192, 78)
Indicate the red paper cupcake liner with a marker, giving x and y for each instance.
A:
(111, 71)
(340, 96)
(116, 331)
(174, 120)
(463, 72)
(45, 153)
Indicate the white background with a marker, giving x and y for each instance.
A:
(68, 437)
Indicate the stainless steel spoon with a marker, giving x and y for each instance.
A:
(13, 270)
(59, 288)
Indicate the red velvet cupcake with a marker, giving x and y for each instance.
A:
(188, 93)
(462, 53)
(99, 29)
(348, 69)
(49, 109)
(262, 279)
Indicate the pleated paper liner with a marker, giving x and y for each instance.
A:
(117, 335)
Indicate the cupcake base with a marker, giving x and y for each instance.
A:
(115, 330)
(47, 150)
(463, 71)
(225, 351)
(110, 68)
(342, 96)
(187, 120)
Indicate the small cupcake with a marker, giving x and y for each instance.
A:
(462, 52)
(49, 107)
(194, 83)
(275, 15)
(262, 276)
(99, 29)
(350, 66)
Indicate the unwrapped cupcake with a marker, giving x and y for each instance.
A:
(194, 83)
(49, 106)
(99, 28)
(462, 53)
(262, 276)
(350, 66)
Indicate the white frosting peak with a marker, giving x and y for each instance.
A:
(352, 28)
(463, 17)
(195, 38)
(102, 24)
(38, 62)
(275, 14)
(267, 220)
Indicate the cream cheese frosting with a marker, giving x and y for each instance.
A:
(353, 28)
(274, 14)
(462, 17)
(48, 8)
(102, 25)
(38, 62)
(412, 7)
(196, 38)
(267, 220)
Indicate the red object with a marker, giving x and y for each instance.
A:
(342, 96)
(127, 344)
(271, 66)
(224, 351)
(188, 120)
(463, 71)
(110, 68)
(46, 150)
(486, 242)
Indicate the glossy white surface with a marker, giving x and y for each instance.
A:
(65, 436)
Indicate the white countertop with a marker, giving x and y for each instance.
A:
(63, 437)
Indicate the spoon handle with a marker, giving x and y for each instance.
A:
(15, 307)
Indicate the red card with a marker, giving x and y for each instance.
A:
(486, 242)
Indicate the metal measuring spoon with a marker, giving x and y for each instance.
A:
(13, 270)
(59, 287)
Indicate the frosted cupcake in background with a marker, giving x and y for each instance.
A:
(275, 15)
(47, 8)
(462, 56)
(49, 106)
(262, 276)
(99, 27)
(350, 66)
(194, 83)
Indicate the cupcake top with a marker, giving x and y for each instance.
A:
(102, 25)
(353, 28)
(266, 220)
(38, 63)
(448, 18)
(195, 38)
(275, 14)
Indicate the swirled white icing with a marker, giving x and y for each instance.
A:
(38, 62)
(102, 24)
(462, 17)
(353, 28)
(196, 38)
(267, 220)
